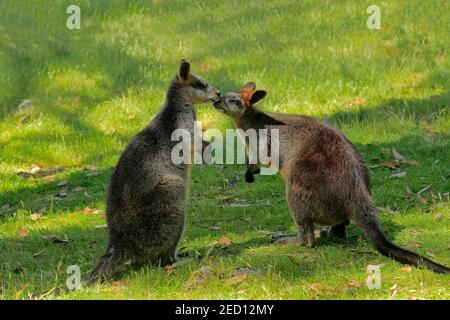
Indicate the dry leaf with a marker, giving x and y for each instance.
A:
(400, 174)
(61, 194)
(77, 189)
(317, 287)
(37, 254)
(225, 241)
(413, 231)
(214, 228)
(397, 155)
(424, 189)
(358, 101)
(391, 164)
(88, 167)
(354, 284)
(36, 216)
(199, 277)
(236, 279)
(429, 253)
(22, 233)
(92, 174)
(62, 183)
(56, 239)
(245, 270)
(413, 245)
(406, 269)
(411, 162)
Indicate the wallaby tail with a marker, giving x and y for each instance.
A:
(368, 222)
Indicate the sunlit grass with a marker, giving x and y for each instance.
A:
(93, 89)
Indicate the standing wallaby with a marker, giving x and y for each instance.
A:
(327, 181)
(145, 210)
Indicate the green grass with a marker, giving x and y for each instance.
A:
(94, 88)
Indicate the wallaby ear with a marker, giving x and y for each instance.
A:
(248, 87)
(184, 70)
(257, 95)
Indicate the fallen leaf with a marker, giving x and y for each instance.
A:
(77, 189)
(400, 174)
(424, 189)
(317, 287)
(245, 270)
(240, 203)
(391, 164)
(61, 194)
(200, 277)
(387, 210)
(354, 102)
(300, 255)
(88, 167)
(413, 245)
(406, 269)
(397, 155)
(56, 239)
(411, 162)
(354, 284)
(101, 226)
(236, 279)
(36, 216)
(408, 190)
(62, 183)
(37, 254)
(429, 253)
(22, 233)
(92, 174)
(49, 177)
(214, 228)
(225, 241)
(413, 231)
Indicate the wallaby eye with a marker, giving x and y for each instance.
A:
(199, 85)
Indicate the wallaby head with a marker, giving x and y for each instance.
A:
(234, 104)
(198, 89)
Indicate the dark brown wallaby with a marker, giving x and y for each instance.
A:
(327, 181)
(145, 210)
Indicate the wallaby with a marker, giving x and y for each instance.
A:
(145, 209)
(327, 181)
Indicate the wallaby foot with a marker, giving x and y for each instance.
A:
(107, 266)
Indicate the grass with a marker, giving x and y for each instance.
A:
(93, 88)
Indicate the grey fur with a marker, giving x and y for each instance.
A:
(327, 181)
(146, 199)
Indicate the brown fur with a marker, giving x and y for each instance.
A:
(327, 181)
